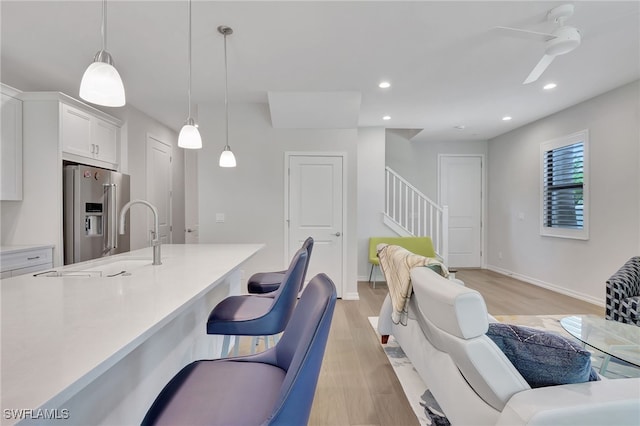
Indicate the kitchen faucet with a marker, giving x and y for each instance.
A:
(156, 227)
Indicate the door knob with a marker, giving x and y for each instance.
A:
(337, 234)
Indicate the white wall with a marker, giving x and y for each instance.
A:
(251, 196)
(37, 218)
(417, 161)
(371, 188)
(574, 267)
(137, 126)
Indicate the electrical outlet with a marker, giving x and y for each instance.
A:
(499, 255)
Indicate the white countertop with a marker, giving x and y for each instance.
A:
(60, 333)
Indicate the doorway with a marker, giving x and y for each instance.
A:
(314, 206)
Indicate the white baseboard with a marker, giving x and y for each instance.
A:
(548, 286)
(351, 296)
(379, 278)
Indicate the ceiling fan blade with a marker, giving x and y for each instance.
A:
(542, 36)
(539, 69)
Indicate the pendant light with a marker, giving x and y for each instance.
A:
(101, 84)
(227, 159)
(189, 136)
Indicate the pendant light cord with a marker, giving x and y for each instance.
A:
(104, 25)
(226, 89)
(189, 90)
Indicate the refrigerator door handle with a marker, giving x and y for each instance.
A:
(113, 220)
(111, 240)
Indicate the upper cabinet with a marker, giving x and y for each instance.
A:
(11, 145)
(86, 135)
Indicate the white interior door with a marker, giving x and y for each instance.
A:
(159, 185)
(315, 208)
(461, 190)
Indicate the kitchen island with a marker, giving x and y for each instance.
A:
(94, 343)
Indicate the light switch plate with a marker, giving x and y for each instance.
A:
(219, 217)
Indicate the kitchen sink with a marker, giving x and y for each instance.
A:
(100, 269)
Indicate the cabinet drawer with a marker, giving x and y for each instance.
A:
(30, 269)
(25, 259)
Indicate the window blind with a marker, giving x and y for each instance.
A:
(563, 187)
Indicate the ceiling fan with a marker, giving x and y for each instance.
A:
(563, 40)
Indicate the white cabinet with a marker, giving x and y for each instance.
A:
(75, 130)
(11, 146)
(22, 260)
(105, 139)
(86, 135)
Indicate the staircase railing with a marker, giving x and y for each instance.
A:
(415, 213)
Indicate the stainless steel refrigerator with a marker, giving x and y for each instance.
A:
(93, 199)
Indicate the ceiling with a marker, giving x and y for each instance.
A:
(446, 63)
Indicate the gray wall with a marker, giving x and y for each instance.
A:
(575, 267)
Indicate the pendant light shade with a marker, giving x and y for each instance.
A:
(101, 83)
(189, 136)
(227, 159)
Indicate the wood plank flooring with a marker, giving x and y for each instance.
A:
(357, 385)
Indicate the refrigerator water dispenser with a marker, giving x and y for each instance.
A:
(93, 225)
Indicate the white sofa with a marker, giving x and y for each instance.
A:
(475, 383)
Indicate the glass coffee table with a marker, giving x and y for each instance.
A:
(613, 338)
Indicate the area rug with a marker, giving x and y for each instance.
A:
(422, 402)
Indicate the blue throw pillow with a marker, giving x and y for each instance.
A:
(543, 358)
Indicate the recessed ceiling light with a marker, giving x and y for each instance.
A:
(384, 85)
(386, 117)
(550, 86)
(506, 118)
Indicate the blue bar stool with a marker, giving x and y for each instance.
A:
(275, 387)
(259, 315)
(267, 282)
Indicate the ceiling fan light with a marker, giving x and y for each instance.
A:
(227, 159)
(566, 39)
(101, 84)
(189, 136)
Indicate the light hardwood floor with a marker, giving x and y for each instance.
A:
(357, 385)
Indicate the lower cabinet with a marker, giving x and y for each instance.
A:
(20, 260)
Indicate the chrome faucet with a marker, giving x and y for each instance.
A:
(156, 227)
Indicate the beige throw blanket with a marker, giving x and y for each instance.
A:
(396, 263)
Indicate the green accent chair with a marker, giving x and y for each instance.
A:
(418, 245)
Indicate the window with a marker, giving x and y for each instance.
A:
(564, 187)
